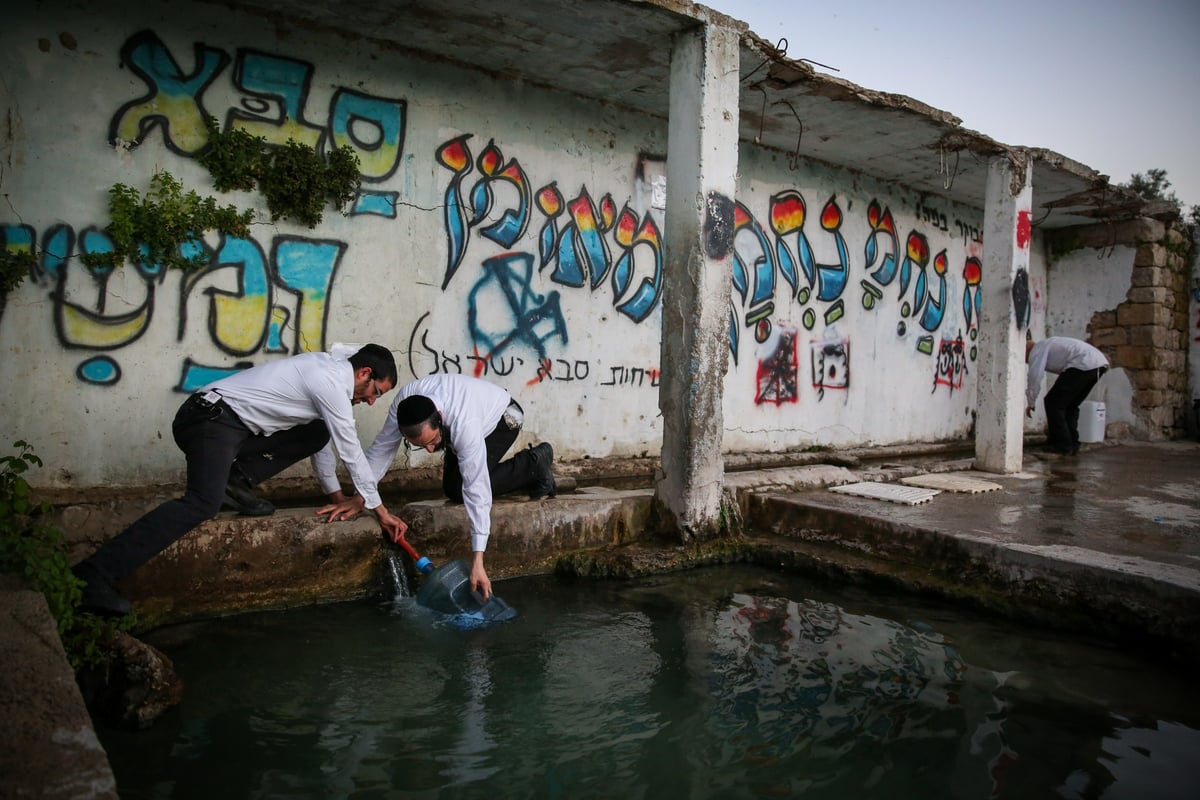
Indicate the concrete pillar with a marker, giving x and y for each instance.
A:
(1005, 314)
(702, 152)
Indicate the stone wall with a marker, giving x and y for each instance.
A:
(1146, 334)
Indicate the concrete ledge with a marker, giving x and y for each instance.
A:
(527, 536)
(1121, 596)
(231, 563)
(58, 755)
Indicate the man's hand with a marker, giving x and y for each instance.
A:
(479, 579)
(1029, 412)
(345, 509)
(393, 527)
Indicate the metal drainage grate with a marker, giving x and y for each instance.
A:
(952, 483)
(890, 492)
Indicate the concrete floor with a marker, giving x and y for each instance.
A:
(1131, 506)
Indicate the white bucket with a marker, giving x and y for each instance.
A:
(1091, 421)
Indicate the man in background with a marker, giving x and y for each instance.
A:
(1079, 367)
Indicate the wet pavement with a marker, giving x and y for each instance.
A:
(1129, 501)
(1110, 536)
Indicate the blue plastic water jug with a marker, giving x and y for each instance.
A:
(447, 589)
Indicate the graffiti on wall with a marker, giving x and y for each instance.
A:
(586, 244)
(777, 266)
(280, 302)
(513, 245)
(830, 366)
(776, 378)
(951, 364)
(426, 358)
(275, 92)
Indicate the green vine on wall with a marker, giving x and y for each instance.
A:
(15, 266)
(164, 226)
(36, 553)
(296, 180)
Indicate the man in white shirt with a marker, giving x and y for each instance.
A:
(1079, 367)
(241, 430)
(473, 423)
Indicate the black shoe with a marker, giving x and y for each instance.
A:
(243, 501)
(99, 596)
(543, 473)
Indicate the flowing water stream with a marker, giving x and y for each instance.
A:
(731, 682)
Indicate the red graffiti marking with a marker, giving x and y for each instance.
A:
(1024, 230)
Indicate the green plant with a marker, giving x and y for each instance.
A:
(295, 179)
(298, 182)
(1154, 185)
(234, 157)
(36, 553)
(15, 266)
(160, 227)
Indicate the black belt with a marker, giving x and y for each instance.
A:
(212, 401)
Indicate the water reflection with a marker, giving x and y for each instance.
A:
(817, 694)
(724, 683)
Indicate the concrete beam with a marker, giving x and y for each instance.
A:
(702, 147)
(1004, 315)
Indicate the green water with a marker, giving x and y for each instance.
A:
(717, 683)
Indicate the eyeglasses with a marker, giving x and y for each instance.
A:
(375, 388)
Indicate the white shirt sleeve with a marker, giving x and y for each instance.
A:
(335, 408)
(382, 451)
(324, 467)
(1033, 376)
(476, 482)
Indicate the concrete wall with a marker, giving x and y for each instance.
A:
(1091, 281)
(1126, 288)
(504, 231)
(855, 310)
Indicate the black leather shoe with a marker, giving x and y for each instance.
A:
(543, 472)
(243, 501)
(99, 596)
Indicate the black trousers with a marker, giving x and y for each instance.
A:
(507, 476)
(216, 444)
(1062, 406)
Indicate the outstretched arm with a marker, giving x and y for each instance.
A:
(479, 577)
(392, 526)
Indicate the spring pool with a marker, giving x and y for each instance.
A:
(729, 682)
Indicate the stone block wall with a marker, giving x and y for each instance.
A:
(1147, 334)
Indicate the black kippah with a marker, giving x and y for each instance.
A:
(414, 410)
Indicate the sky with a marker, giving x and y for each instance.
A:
(1112, 84)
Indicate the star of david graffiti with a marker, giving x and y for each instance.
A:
(503, 310)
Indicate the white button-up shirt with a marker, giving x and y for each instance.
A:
(1056, 354)
(471, 408)
(294, 391)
